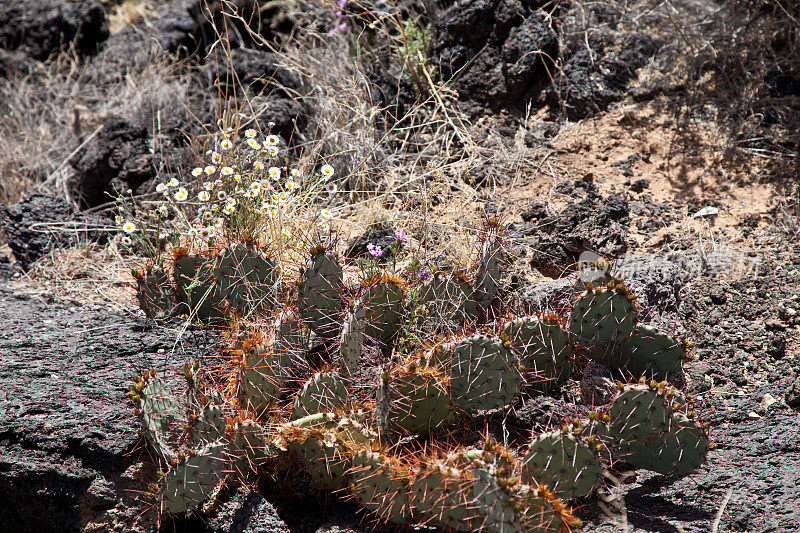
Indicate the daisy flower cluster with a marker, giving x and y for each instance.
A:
(241, 185)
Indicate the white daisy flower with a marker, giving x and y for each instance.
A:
(192, 232)
(331, 188)
(237, 178)
(253, 144)
(290, 184)
(204, 233)
(212, 231)
(273, 151)
(126, 241)
(203, 196)
(218, 222)
(273, 212)
(221, 195)
(173, 182)
(258, 165)
(197, 171)
(217, 183)
(129, 227)
(326, 214)
(214, 208)
(163, 211)
(294, 172)
(286, 232)
(181, 194)
(282, 198)
(208, 185)
(226, 171)
(210, 169)
(272, 140)
(229, 209)
(250, 134)
(208, 215)
(265, 184)
(118, 219)
(163, 235)
(231, 202)
(216, 157)
(255, 186)
(209, 152)
(162, 187)
(275, 173)
(251, 193)
(226, 144)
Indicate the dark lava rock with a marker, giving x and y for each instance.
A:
(117, 159)
(590, 80)
(247, 512)
(67, 432)
(593, 223)
(640, 185)
(496, 51)
(382, 236)
(598, 386)
(793, 394)
(45, 27)
(41, 223)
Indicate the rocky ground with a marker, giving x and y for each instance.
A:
(598, 143)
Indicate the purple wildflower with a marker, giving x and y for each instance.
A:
(374, 250)
(425, 274)
(401, 236)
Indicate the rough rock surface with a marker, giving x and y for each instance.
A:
(41, 223)
(496, 51)
(382, 236)
(590, 223)
(45, 27)
(247, 512)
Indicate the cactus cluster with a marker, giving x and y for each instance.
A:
(350, 417)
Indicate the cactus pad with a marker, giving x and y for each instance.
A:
(324, 392)
(564, 462)
(247, 278)
(197, 289)
(319, 296)
(351, 343)
(413, 398)
(156, 294)
(193, 479)
(602, 319)
(651, 354)
(544, 351)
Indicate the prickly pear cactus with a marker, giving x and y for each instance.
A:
(450, 301)
(248, 446)
(379, 484)
(262, 374)
(603, 319)
(651, 354)
(383, 300)
(324, 392)
(246, 278)
(652, 431)
(413, 398)
(156, 294)
(487, 277)
(319, 296)
(544, 349)
(197, 288)
(193, 478)
(209, 425)
(161, 413)
(484, 374)
(564, 461)
(351, 343)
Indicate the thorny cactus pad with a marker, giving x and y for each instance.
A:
(561, 459)
(197, 288)
(319, 295)
(413, 398)
(602, 319)
(193, 478)
(544, 349)
(246, 278)
(156, 294)
(323, 392)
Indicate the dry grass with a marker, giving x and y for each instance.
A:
(127, 13)
(86, 274)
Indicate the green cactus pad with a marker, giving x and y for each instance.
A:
(413, 399)
(192, 480)
(248, 447)
(383, 300)
(197, 288)
(602, 319)
(324, 392)
(324, 444)
(319, 297)
(379, 486)
(210, 425)
(650, 434)
(247, 278)
(651, 354)
(484, 374)
(162, 416)
(351, 343)
(563, 462)
(262, 375)
(544, 351)
(449, 300)
(487, 277)
(156, 294)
